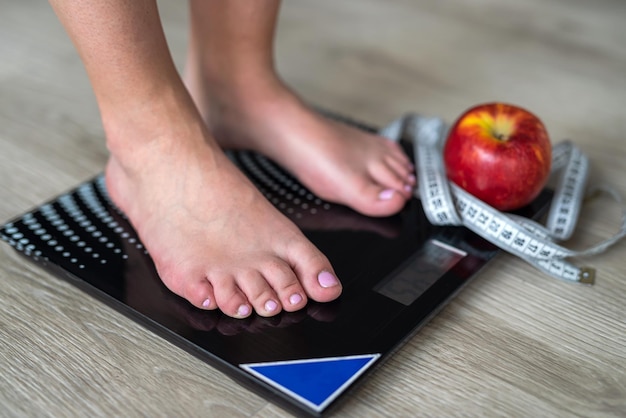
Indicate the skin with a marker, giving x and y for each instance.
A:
(214, 239)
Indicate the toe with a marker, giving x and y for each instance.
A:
(404, 171)
(397, 152)
(387, 177)
(314, 273)
(200, 294)
(229, 298)
(284, 282)
(189, 284)
(259, 293)
(390, 175)
(371, 198)
(400, 158)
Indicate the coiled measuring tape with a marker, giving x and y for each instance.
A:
(445, 203)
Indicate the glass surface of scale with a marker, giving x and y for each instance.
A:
(397, 273)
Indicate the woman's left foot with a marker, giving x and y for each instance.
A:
(337, 162)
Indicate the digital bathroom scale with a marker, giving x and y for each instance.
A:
(397, 273)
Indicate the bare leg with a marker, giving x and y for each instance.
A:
(230, 74)
(214, 238)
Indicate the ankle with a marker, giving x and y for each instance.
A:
(216, 87)
(141, 125)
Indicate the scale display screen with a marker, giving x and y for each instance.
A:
(430, 263)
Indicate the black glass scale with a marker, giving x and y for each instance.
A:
(397, 273)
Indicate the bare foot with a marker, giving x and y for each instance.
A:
(215, 240)
(337, 162)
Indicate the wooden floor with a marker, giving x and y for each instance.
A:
(514, 343)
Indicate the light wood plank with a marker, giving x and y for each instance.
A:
(514, 343)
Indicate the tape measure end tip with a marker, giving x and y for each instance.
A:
(587, 276)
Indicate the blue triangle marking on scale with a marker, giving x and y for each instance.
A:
(314, 382)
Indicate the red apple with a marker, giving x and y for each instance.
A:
(500, 153)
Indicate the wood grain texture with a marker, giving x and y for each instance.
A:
(513, 343)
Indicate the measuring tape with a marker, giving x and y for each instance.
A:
(445, 203)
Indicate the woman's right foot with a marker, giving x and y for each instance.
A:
(215, 240)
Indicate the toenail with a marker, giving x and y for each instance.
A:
(326, 279)
(206, 303)
(412, 179)
(407, 188)
(244, 310)
(386, 194)
(270, 306)
(295, 299)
